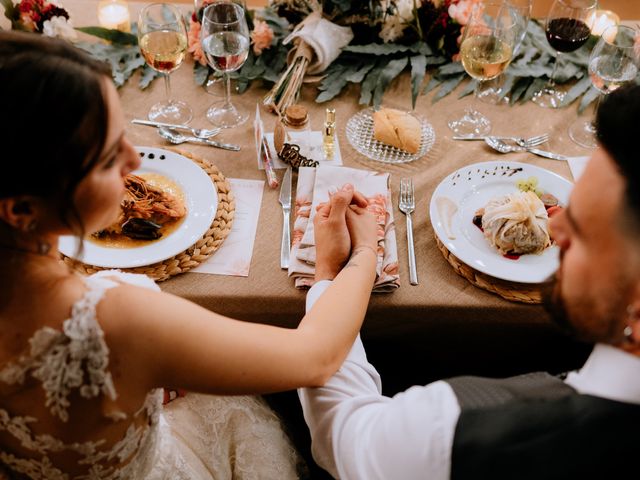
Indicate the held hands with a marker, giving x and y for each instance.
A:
(339, 224)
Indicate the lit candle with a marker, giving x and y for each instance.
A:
(600, 20)
(114, 14)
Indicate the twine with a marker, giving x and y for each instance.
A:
(198, 252)
(515, 292)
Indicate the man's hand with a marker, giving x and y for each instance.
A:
(333, 243)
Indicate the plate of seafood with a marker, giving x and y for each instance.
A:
(494, 216)
(169, 203)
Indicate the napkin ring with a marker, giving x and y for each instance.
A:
(291, 154)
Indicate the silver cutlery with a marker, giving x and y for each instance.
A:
(177, 138)
(521, 141)
(285, 201)
(503, 147)
(407, 205)
(196, 132)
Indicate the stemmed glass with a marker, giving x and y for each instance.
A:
(486, 50)
(162, 37)
(566, 30)
(491, 91)
(613, 62)
(225, 41)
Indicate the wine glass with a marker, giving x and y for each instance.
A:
(225, 42)
(162, 36)
(491, 91)
(566, 30)
(613, 62)
(486, 50)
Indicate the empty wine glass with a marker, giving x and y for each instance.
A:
(225, 41)
(613, 62)
(491, 91)
(486, 50)
(162, 36)
(566, 30)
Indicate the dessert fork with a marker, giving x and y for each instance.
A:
(407, 205)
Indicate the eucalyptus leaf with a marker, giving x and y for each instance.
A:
(148, 75)
(576, 91)
(418, 69)
(448, 86)
(377, 48)
(452, 68)
(469, 88)
(358, 75)
(588, 98)
(200, 73)
(391, 71)
(332, 85)
(537, 85)
(507, 85)
(114, 36)
(519, 89)
(433, 83)
(369, 83)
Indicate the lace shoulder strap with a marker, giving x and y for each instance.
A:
(76, 358)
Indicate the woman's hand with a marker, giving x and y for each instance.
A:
(362, 228)
(333, 242)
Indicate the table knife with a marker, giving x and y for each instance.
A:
(285, 201)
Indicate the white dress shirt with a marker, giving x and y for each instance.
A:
(357, 433)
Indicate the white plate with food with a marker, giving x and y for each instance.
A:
(361, 134)
(169, 197)
(490, 186)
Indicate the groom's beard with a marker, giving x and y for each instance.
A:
(554, 304)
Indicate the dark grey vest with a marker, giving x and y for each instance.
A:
(536, 427)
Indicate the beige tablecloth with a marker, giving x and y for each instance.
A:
(445, 313)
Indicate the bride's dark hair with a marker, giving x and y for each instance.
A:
(54, 117)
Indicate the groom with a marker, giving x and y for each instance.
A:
(534, 426)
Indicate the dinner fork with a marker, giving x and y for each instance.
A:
(204, 133)
(407, 205)
(532, 141)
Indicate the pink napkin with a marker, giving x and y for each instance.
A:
(313, 188)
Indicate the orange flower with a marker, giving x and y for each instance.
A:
(261, 37)
(195, 48)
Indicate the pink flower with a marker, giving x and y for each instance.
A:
(195, 48)
(261, 37)
(461, 11)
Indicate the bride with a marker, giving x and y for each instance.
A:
(83, 359)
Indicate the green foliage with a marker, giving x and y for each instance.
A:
(116, 37)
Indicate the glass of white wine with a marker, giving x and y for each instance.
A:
(492, 90)
(486, 50)
(225, 42)
(613, 62)
(162, 37)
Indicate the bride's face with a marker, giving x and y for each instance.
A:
(100, 193)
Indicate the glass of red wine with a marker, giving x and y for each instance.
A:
(567, 30)
(225, 41)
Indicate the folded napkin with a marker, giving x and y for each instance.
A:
(314, 185)
(325, 38)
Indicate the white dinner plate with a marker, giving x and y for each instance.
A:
(471, 188)
(201, 199)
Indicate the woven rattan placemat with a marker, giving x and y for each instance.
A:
(203, 248)
(516, 292)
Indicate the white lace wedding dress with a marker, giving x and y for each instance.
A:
(193, 437)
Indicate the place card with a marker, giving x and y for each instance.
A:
(577, 165)
(313, 149)
(234, 256)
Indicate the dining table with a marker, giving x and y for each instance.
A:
(441, 327)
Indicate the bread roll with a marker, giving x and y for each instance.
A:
(398, 129)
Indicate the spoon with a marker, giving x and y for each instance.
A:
(197, 132)
(503, 147)
(177, 138)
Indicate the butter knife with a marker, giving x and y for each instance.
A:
(545, 154)
(285, 201)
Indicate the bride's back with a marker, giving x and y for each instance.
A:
(58, 406)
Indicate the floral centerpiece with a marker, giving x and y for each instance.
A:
(40, 16)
